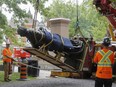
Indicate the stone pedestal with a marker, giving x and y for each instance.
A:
(59, 26)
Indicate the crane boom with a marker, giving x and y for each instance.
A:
(106, 8)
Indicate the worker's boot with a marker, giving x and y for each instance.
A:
(9, 79)
(6, 80)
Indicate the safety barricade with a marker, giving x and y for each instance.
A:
(23, 70)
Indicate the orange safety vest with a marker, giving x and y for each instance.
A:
(104, 59)
(6, 51)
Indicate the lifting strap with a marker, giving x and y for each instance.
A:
(45, 45)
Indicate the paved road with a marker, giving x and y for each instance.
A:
(52, 82)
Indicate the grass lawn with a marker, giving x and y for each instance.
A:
(1, 62)
(14, 77)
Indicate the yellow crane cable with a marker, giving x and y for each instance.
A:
(77, 26)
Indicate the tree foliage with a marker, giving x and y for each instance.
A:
(12, 6)
(60, 9)
(19, 14)
(89, 20)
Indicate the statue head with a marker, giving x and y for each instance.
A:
(22, 31)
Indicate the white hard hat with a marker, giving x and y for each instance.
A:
(7, 41)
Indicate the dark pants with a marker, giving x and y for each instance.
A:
(7, 70)
(103, 82)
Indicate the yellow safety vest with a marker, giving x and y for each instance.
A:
(105, 61)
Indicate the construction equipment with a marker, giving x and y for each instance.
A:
(18, 52)
(107, 8)
(77, 58)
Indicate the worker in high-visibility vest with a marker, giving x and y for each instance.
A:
(7, 62)
(104, 60)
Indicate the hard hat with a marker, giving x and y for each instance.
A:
(8, 42)
(106, 41)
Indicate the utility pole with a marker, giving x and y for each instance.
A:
(35, 14)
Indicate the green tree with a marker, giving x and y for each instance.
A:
(18, 14)
(12, 7)
(90, 21)
(60, 9)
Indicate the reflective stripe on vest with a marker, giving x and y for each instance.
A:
(105, 61)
